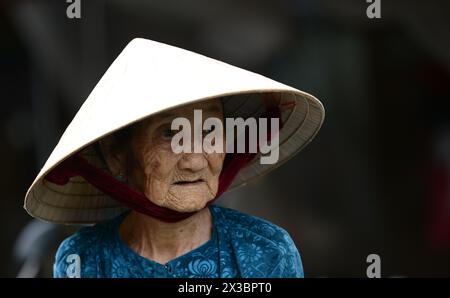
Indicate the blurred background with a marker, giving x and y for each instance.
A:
(375, 180)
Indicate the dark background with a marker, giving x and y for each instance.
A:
(375, 180)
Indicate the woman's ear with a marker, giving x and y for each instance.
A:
(115, 160)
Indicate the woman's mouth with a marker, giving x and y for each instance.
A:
(189, 182)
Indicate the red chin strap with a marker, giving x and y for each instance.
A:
(76, 165)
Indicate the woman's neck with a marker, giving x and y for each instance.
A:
(160, 241)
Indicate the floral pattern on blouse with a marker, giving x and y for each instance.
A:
(241, 245)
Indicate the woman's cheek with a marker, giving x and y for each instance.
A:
(159, 173)
(159, 160)
(215, 161)
(156, 191)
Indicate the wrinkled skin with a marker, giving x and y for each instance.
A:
(183, 182)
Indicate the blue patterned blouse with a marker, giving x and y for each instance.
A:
(241, 246)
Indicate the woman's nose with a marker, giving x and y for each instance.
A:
(193, 162)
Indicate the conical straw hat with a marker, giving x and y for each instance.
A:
(149, 77)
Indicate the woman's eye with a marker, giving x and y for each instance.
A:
(168, 133)
(208, 131)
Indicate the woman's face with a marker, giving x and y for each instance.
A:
(183, 182)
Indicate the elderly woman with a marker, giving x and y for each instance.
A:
(115, 167)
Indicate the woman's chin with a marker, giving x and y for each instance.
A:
(187, 199)
(188, 203)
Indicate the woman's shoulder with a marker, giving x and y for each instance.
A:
(83, 247)
(238, 220)
(263, 249)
